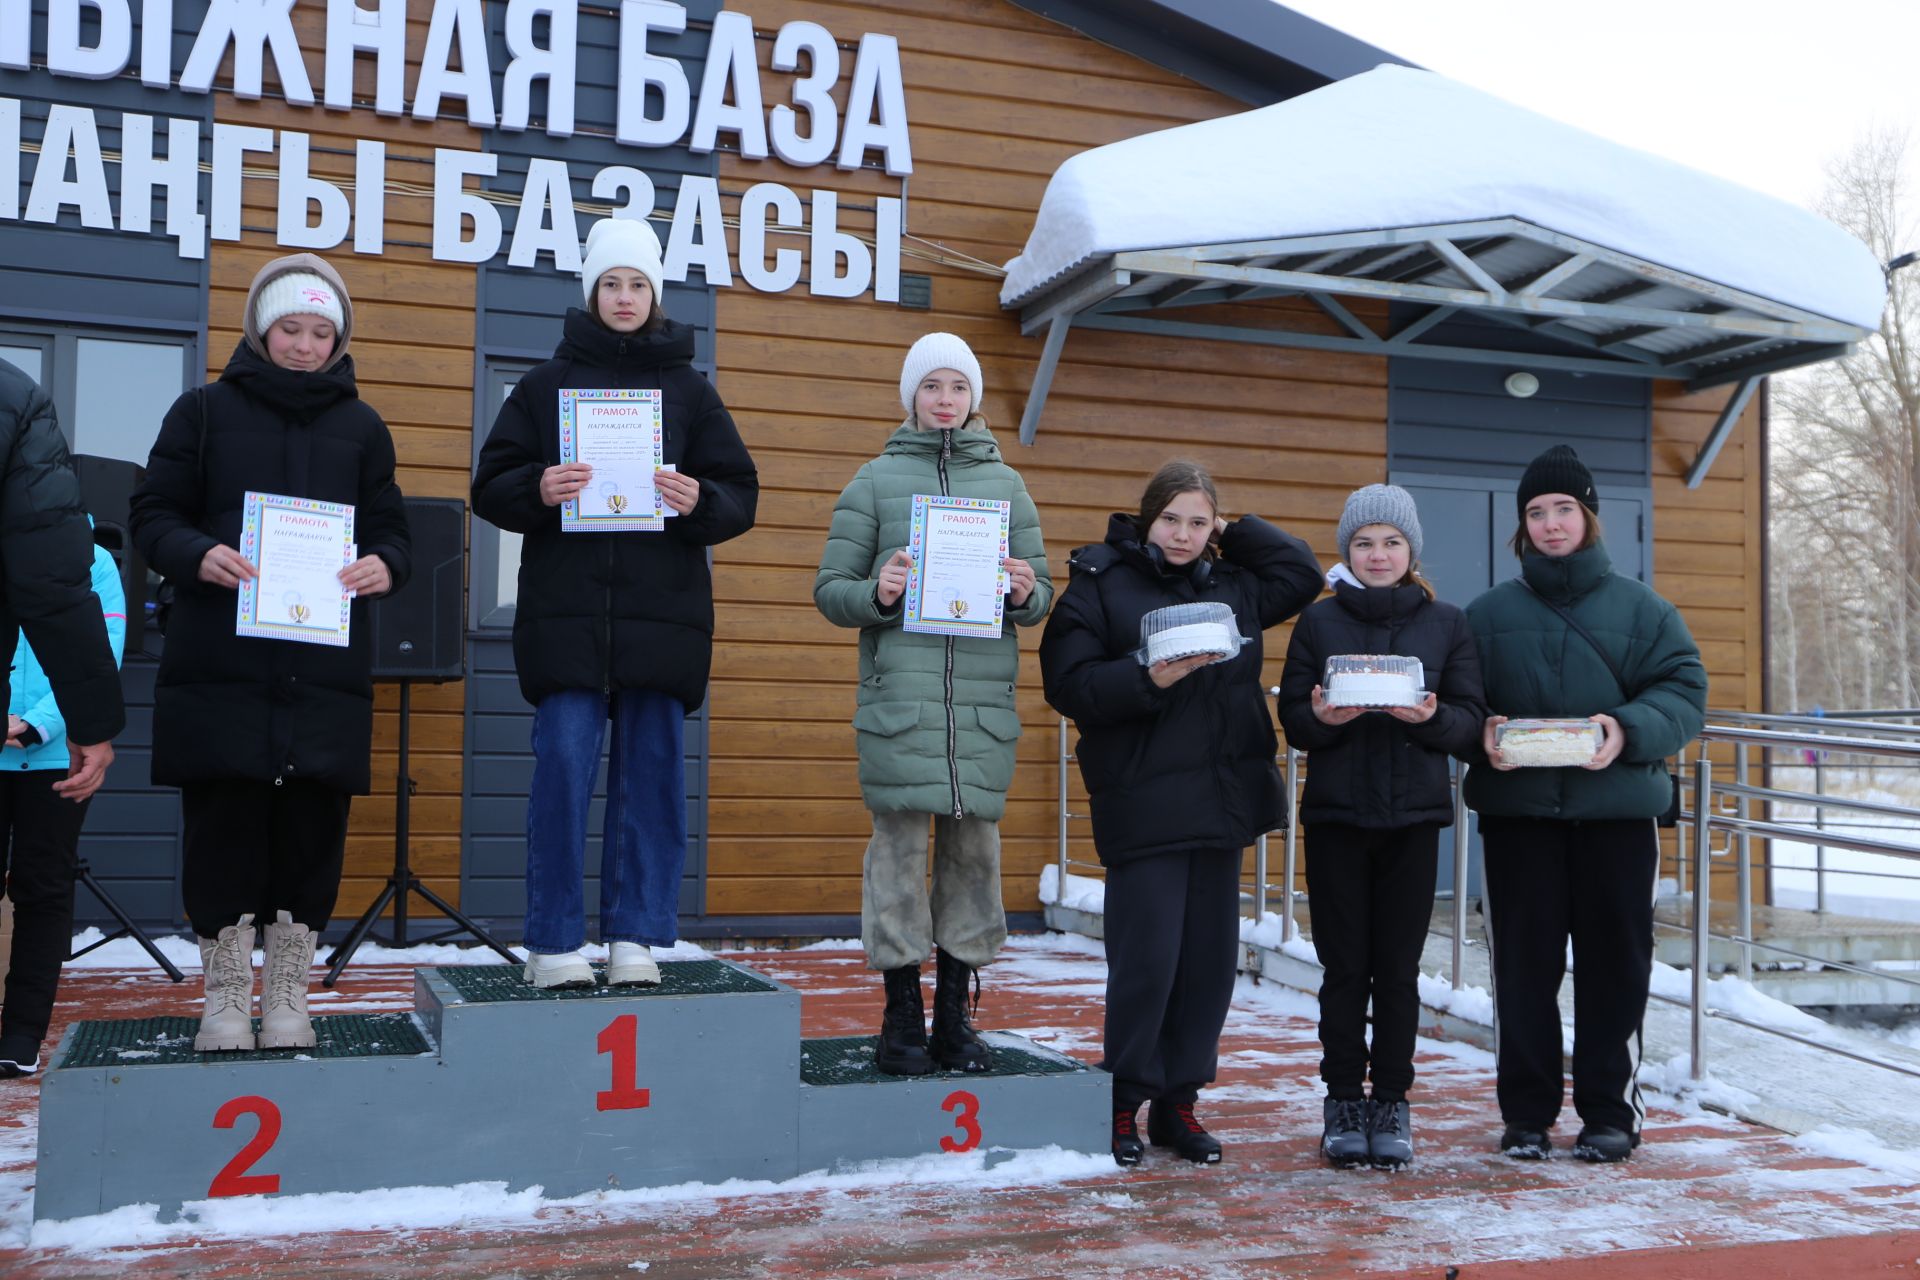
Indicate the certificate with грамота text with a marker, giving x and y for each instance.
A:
(298, 546)
(957, 585)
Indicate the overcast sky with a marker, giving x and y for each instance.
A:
(1763, 92)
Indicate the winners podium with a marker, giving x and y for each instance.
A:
(701, 1079)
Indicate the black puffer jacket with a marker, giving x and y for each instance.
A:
(240, 707)
(616, 610)
(1188, 767)
(46, 565)
(1377, 771)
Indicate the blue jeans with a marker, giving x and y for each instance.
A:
(644, 842)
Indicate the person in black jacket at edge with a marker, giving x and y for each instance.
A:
(613, 626)
(268, 740)
(46, 590)
(1178, 760)
(1377, 795)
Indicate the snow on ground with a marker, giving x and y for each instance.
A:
(125, 953)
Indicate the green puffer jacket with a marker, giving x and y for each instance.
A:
(935, 722)
(1537, 666)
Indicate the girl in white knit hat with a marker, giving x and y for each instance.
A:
(936, 723)
(267, 739)
(612, 627)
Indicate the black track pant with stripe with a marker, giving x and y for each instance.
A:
(1592, 881)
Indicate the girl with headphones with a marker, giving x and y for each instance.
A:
(1178, 760)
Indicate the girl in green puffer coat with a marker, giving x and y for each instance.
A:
(1571, 853)
(935, 721)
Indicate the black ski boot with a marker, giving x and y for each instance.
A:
(1173, 1124)
(901, 1049)
(956, 1047)
(1128, 1150)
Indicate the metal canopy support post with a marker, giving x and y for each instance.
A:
(1722, 428)
(1043, 376)
(1702, 905)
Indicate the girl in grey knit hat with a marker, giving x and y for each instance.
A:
(1377, 795)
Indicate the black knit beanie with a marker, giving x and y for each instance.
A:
(1558, 470)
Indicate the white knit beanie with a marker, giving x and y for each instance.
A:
(940, 351)
(620, 242)
(297, 293)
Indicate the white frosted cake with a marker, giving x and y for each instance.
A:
(1374, 680)
(1547, 744)
(1190, 640)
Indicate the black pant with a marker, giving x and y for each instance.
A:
(41, 834)
(1370, 899)
(1173, 945)
(1592, 881)
(261, 847)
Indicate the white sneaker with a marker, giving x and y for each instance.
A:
(630, 964)
(569, 969)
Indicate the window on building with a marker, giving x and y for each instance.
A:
(495, 581)
(109, 388)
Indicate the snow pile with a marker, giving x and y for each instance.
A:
(1398, 147)
(1079, 893)
(492, 1205)
(1742, 999)
(125, 953)
(1469, 1004)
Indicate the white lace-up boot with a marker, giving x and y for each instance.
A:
(568, 969)
(283, 994)
(630, 964)
(226, 962)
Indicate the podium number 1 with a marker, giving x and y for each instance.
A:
(621, 1039)
(233, 1179)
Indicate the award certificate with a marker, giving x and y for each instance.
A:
(957, 586)
(299, 546)
(618, 434)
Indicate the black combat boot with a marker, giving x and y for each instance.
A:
(955, 1045)
(902, 1047)
(1173, 1124)
(1127, 1147)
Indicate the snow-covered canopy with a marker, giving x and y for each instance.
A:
(1399, 147)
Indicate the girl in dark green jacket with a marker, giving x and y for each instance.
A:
(1572, 853)
(935, 721)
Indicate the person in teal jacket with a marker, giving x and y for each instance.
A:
(40, 856)
(1572, 853)
(935, 721)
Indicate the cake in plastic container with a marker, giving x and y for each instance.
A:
(1374, 680)
(1188, 630)
(1547, 744)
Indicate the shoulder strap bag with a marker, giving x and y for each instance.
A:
(1672, 816)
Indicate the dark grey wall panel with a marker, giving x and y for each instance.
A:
(132, 835)
(68, 273)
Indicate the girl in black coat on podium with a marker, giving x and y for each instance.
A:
(266, 739)
(1178, 760)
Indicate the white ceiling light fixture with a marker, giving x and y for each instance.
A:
(1522, 384)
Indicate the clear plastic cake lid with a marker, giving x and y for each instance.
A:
(1376, 664)
(1187, 630)
(1583, 733)
(1547, 743)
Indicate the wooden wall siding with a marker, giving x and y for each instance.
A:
(1708, 560)
(998, 99)
(413, 354)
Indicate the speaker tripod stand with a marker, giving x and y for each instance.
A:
(83, 874)
(402, 881)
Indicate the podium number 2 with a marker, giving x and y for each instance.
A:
(234, 1180)
(966, 1118)
(621, 1039)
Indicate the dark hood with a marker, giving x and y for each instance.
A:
(1379, 605)
(585, 340)
(300, 396)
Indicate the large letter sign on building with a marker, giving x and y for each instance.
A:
(67, 172)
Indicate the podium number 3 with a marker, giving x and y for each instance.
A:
(621, 1039)
(234, 1180)
(966, 1118)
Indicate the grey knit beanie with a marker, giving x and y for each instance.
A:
(1380, 504)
